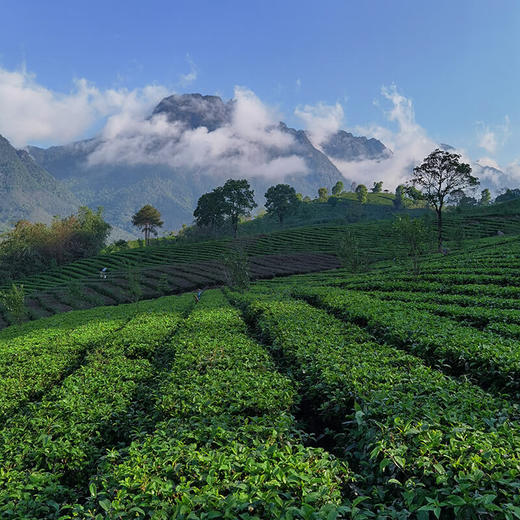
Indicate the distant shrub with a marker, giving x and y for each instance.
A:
(74, 291)
(135, 290)
(351, 254)
(236, 268)
(31, 247)
(163, 286)
(13, 302)
(414, 236)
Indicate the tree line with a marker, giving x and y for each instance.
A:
(31, 247)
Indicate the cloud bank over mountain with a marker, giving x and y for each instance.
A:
(247, 140)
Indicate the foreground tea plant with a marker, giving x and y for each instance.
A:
(491, 360)
(228, 447)
(421, 442)
(49, 449)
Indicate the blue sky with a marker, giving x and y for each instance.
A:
(456, 63)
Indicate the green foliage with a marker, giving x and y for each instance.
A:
(399, 200)
(440, 175)
(485, 197)
(351, 253)
(164, 409)
(418, 437)
(509, 194)
(236, 268)
(62, 437)
(75, 291)
(337, 188)
(233, 449)
(211, 210)
(458, 235)
(377, 187)
(133, 278)
(33, 247)
(414, 236)
(12, 301)
(147, 219)
(362, 193)
(494, 362)
(163, 285)
(281, 200)
(323, 194)
(238, 201)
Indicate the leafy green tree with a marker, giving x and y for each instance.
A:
(337, 188)
(32, 247)
(147, 219)
(211, 209)
(399, 199)
(281, 200)
(485, 197)
(509, 194)
(377, 187)
(414, 194)
(414, 237)
(323, 194)
(238, 201)
(13, 302)
(236, 268)
(350, 253)
(362, 193)
(93, 231)
(440, 174)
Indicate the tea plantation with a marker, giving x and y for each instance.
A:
(171, 266)
(325, 395)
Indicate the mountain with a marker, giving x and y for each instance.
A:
(346, 147)
(196, 110)
(28, 191)
(189, 144)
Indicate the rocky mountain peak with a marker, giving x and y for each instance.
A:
(195, 110)
(347, 147)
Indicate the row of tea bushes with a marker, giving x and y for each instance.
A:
(421, 442)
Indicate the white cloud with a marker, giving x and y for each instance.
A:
(492, 139)
(496, 177)
(32, 113)
(488, 162)
(321, 120)
(408, 142)
(251, 144)
(191, 76)
(488, 141)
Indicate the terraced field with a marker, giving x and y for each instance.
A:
(318, 396)
(170, 267)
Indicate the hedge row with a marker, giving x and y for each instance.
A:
(49, 450)
(424, 443)
(489, 359)
(228, 447)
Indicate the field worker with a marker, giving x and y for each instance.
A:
(198, 295)
(103, 273)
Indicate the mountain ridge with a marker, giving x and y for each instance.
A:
(22, 182)
(123, 187)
